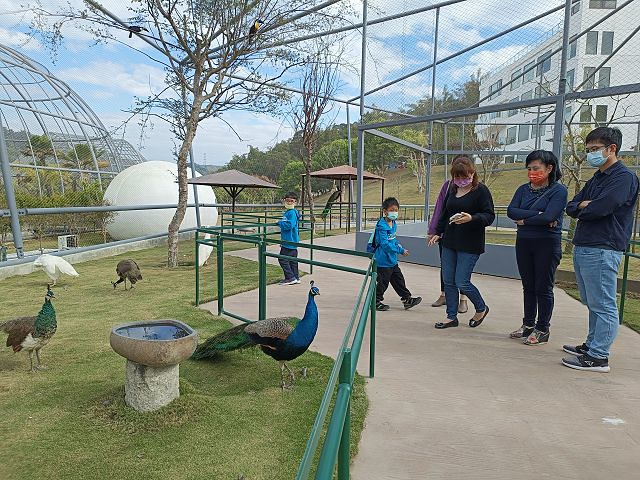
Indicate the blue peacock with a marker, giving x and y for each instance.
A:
(275, 336)
(32, 333)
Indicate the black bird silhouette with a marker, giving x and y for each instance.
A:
(255, 27)
(136, 29)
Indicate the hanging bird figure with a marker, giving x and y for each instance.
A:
(32, 333)
(54, 266)
(276, 337)
(136, 29)
(127, 270)
(255, 27)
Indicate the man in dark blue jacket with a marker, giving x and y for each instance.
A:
(289, 233)
(604, 209)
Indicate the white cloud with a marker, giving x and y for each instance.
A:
(485, 60)
(135, 79)
(22, 41)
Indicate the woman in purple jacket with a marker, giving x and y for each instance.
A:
(435, 218)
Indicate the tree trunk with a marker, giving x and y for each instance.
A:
(183, 190)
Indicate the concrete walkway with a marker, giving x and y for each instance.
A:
(470, 403)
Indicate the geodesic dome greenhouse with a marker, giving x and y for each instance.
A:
(55, 142)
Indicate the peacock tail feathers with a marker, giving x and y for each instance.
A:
(232, 339)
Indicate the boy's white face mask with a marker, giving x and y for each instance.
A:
(392, 215)
(289, 206)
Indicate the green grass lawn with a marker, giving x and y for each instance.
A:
(70, 422)
(631, 307)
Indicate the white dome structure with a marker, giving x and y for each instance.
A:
(153, 183)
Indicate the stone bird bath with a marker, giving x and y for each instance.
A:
(154, 350)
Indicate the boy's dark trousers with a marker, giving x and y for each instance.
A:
(289, 267)
(393, 275)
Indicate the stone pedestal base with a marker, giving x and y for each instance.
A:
(148, 388)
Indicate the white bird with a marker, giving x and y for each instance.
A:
(204, 252)
(54, 266)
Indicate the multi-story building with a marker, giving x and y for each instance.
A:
(532, 128)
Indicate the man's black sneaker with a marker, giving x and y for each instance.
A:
(577, 350)
(411, 302)
(381, 307)
(587, 362)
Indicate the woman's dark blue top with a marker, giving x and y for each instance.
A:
(548, 209)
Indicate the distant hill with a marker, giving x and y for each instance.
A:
(207, 169)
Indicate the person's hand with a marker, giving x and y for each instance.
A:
(464, 218)
(429, 238)
(433, 240)
(583, 204)
(553, 224)
(519, 222)
(405, 253)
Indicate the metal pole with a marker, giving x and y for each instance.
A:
(195, 188)
(562, 87)
(344, 457)
(372, 325)
(446, 152)
(220, 272)
(363, 66)
(10, 194)
(427, 190)
(197, 254)
(351, 165)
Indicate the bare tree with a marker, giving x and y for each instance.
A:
(218, 55)
(319, 82)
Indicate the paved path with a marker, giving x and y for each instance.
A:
(471, 403)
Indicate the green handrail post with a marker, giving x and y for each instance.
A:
(220, 272)
(197, 270)
(623, 292)
(372, 326)
(262, 281)
(344, 458)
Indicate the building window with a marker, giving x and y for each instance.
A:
(567, 112)
(537, 130)
(527, 95)
(511, 113)
(604, 77)
(531, 73)
(573, 49)
(606, 48)
(494, 90)
(592, 43)
(509, 159)
(523, 133)
(571, 78)
(545, 66)
(589, 74)
(608, 4)
(542, 90)
(575, 8)
(601, 113)
(516, 79)
(511, 135)
(585, 114)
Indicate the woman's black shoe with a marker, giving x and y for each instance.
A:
(452, 323)
(476, 323)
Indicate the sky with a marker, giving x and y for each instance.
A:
(110, 76)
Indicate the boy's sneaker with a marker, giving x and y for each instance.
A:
(296, 281)
(587, 362)
(381, 307)
(577, 350)
(288, 282)
(522, 332)
(411, 302)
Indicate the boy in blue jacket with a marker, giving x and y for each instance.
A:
(289, 233)
(386, 250)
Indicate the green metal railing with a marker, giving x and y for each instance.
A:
(335, 449)
(625, 273)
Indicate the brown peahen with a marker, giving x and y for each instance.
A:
(127, 270)
(32, 333)
(276, 337)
